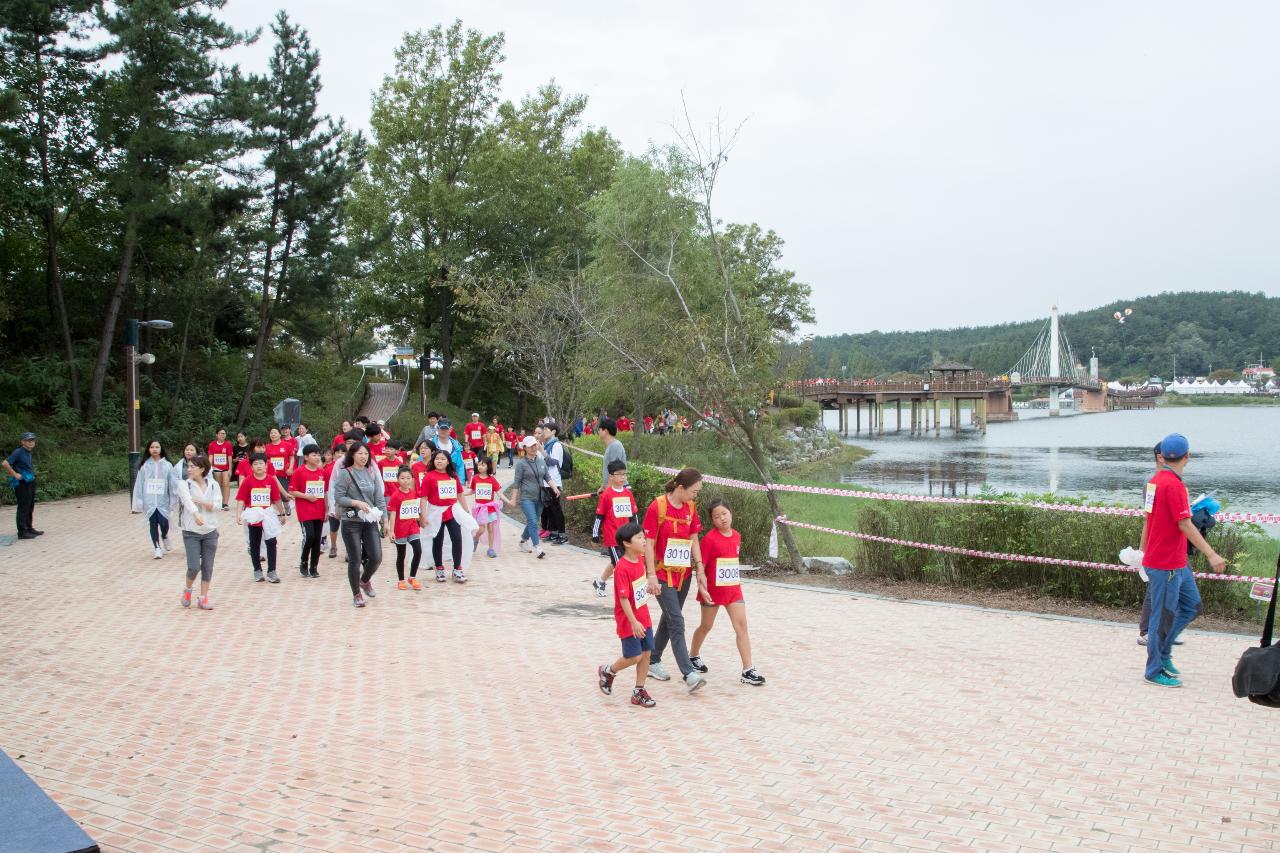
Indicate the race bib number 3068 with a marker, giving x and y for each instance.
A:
(678, 553)
(484, 491)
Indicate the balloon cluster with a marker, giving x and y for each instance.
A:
(1121, 317)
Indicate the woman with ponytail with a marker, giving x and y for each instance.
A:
(673, 557)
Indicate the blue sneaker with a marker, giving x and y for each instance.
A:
(1162, 680)
(1168, 667)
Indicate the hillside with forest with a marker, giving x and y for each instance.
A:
(1192, 333)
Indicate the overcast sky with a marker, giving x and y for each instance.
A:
(928, 164)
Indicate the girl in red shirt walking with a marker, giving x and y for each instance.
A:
(723, 589)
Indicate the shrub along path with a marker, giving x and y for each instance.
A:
(467, 717)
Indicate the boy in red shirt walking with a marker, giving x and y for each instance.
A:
(1175, 600)
(631, 614)
(616, 507)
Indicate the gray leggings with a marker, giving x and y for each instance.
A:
(671, 625)
(200, 549)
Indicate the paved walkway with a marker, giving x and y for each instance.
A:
(468, 717)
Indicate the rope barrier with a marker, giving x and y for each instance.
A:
(1250, 517)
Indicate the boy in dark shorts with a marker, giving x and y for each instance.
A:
(631, 614)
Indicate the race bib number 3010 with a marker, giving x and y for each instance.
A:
(678, 553)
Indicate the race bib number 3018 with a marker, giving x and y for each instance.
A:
(410, 510)
(678, 553)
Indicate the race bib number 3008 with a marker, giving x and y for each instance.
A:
(678, 553)
(728, 573)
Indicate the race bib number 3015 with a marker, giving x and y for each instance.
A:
(315, 489)
(678, 553)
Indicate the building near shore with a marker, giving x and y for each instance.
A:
(1201, 386)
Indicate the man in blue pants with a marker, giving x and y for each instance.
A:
(1175, 600)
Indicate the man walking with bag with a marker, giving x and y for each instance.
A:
(1175, 600)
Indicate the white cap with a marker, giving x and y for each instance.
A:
(475, 414)
(529, 441)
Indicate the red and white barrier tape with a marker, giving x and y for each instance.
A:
(995, 555)
(1242, 517)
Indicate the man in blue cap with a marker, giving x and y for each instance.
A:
(21, 469)
(1175, 600)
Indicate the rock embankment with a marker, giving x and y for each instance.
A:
(805, 444)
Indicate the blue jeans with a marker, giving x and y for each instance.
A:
(1175, 601)
(532, 510)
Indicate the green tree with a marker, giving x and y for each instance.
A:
(167, 115)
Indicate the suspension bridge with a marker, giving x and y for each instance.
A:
(1050, 364)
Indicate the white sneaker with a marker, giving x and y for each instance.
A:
(526, 547)
(657, 671)
(168, 546)
(538, 552)
(694, 680)
(159, 552)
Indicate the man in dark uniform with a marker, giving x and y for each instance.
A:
(21, 469)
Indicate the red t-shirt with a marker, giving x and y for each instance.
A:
(618, 506)
(469, 462)
(220, 455)
(624, 424)
(376, 447)
(311, 483)
(389, 467)
(482, 494)
(244, 468)
(435, 488)
(292, 444)
(419, 469)
(681, 524)
(254, 492)
(629, 580)
(338, 440)
(1166, 504)
(510, 438)
(475, 434)
(717, 547)
(405, 510)
(279, 459)
(648, 423)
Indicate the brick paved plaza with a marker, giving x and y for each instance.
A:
(468, 717)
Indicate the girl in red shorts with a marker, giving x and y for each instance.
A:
(724, 589)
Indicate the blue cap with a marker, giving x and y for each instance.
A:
(1174, 446)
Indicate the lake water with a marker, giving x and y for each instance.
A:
(1101, 456)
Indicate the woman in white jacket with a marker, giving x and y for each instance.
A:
(199, 497)
(153, 495)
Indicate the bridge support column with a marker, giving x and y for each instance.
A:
(937, 418)
(955, 414)
(857, 416)
(897, 427)
(980, 407)
(1055, 405)
(880, 416)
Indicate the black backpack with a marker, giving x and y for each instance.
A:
(1257, 674)
(566, 467)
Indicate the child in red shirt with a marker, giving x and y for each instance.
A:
(219, 452)
(442, 488)
(469, 463)
(404, 508)
(630, 615)
(389, 464)
(259, 490)
(488, 504)
(510, 438)
(616, 507)
(720, 549)
(307, 488)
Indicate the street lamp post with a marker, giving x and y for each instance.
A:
(132, 359)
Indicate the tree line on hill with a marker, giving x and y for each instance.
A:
(142, 176)
(1193, 334)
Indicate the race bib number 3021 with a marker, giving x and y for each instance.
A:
(678, 553)
(447, 490)
(1149, 500)
(728, 573)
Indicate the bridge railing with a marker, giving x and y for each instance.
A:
(818, 387)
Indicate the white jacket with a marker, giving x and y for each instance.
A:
(189, 491)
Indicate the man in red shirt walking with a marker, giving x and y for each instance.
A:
(1175, 600)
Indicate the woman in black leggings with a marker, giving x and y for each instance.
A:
(358, 488)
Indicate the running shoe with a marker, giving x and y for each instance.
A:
(257, 576)
(525, 546)
(658, 671)
(606, 679)
(324, 542)
(272, 577)
(1142, 639)
(367, 588)
(1178, 641)
(698, 664)
(641, 697)
(544, 534)
(358, 601)
(750, 676)
(168, 546)
(458, 576)
(206, 604)
(1169, 668)
(186, 598)
(159, 550)
(694, 680)
(539, 553)
(333, 550)
(288, 508)
(402, 585)
(602, 588)
(303, 571)
(314, 574)
(1162, 680)
(413, 582)
(491, 553)
(441, 577)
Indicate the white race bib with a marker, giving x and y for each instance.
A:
(678, 554)
(155, 486)
(469, 464)
(260, 497)
(220, 460)
(410, 510)
(389, 474)
(277, 462)
(622, 508)
(1150, 502)
(640, 591)
(447, 490)
(484, 491)
(314, 489)
(728, 573)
